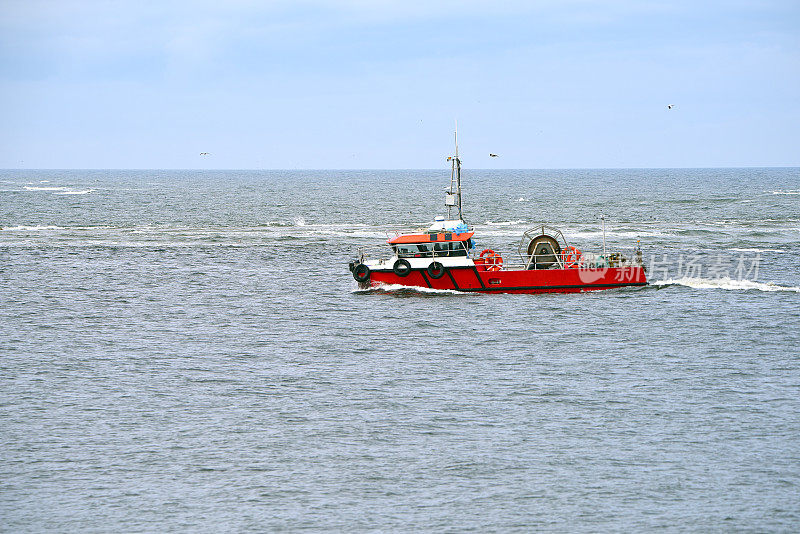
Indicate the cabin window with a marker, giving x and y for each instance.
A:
(414, 250)
(428, 250)
(458, 248)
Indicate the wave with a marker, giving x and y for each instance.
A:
(361, 234)
(400, 289)
(153, 245)
(758, 250)
(725, 283)
(23, 228)
(595, 233)
(698, 232)
(787, 192)
(48, 188)
(279, 228)
(505, 223)
(297, 221)
(84, 192)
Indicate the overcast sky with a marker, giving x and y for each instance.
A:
(379, 84)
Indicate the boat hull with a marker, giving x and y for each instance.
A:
(473, 279)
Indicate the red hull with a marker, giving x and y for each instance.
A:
(471, 279)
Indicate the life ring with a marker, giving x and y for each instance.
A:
(401, 267)
(493, 260)
(571, 257)
(361, 273)
(436, 270)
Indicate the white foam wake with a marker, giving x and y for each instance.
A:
(388, 288)
(787, 192)
(725, 283)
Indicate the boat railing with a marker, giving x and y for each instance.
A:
(586, 260)
(619, 258)
(372, 252)
(379, 252)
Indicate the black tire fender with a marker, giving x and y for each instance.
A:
(436, 270)
(401, 267)
(361, 273)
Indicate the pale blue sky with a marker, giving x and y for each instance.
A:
(379, 84)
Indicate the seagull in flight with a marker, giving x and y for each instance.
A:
(205, 153)
(492, 155)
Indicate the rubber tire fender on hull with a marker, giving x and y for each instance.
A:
(361, 273)
(436, 270)
(401, 267)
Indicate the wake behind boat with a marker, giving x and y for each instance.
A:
(443, 256)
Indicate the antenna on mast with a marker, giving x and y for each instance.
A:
(456, 137)
(603, 218)
(458, 175)
(453, 197)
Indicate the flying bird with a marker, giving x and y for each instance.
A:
(492, 155)
(205, 153)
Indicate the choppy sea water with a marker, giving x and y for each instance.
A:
(186, 350)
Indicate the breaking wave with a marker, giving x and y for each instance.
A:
(84, 192)
(610, 233)
(58, 190)
(23, 228)
(757, 250)
(725, 283)
(787, 192)
(38, 188)
(504, 223)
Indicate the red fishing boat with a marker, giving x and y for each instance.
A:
(443, 256)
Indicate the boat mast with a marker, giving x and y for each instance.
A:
(603, 218)
(455, 182)
(457, 164)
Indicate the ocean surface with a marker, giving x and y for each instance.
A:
(187, 351)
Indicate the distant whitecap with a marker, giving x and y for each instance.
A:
(505, 223)
(46, 188)
(83, 192)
